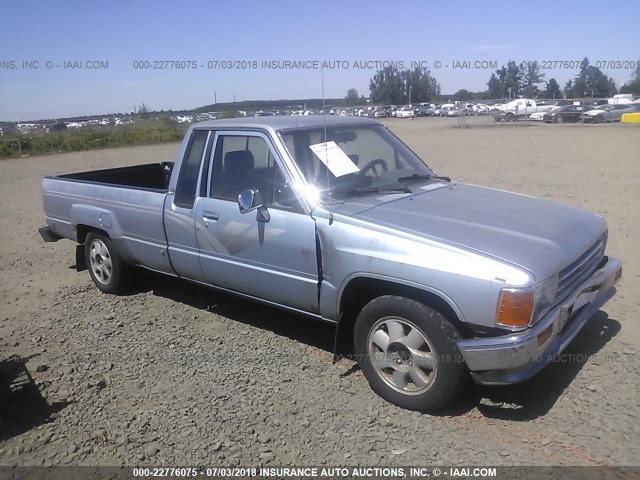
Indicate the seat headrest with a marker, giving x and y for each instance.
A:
(238, 161)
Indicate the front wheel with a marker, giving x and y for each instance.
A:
(408, 353)
(107, 269)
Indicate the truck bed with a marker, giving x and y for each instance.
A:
(150, 176)
(127, 203)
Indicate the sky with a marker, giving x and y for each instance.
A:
(120, 36)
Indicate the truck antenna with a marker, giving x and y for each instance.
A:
(324, 126)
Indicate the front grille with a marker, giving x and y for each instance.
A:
(579, 270)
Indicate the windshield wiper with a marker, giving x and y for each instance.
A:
(368, 190)
(418, 176)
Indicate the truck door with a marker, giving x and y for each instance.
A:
(268, 253)
(179, 206)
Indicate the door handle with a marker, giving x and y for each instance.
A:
(210, 216)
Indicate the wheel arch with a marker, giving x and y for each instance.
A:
(360, 290)
(83, 230)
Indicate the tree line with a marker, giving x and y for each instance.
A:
(397, 87)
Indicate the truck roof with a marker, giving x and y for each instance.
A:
(276, 123)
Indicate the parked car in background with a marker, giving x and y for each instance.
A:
(565, 113)
(444, 109)
(435, 110)
(608, 113)
(405, 112)
(481, 109)
(449, 111)
(621, 98)
(422, 111)
(519, 109)
(379, 112)
(391, 110)
(539, 116)
(467, 110)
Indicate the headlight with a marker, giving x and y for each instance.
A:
(515, 307)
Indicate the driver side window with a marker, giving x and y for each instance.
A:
(246, 162)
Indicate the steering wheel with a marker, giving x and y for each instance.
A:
(372, 166)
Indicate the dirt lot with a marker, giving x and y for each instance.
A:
(173, 374)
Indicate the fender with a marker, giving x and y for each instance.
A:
(96, 217)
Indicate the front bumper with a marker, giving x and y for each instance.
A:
(517, 357)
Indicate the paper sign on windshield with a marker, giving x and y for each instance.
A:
(334, 158)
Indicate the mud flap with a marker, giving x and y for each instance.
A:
(81, 264)
(339, 347)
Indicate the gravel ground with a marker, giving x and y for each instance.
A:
(176, 374)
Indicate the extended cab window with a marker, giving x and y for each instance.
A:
(190, 169)
(245, 162)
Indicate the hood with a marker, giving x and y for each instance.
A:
(538, 235)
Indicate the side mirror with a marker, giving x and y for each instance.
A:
(249, 200)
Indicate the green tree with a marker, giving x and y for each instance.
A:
(512, 78)
(495, 87)
(532, 77)
(420, 85)
(143, 109)
(568, 89)
(463, 95)
(387, 86)
(143, 112)
(352, 97)
(506, 80)
(591, 82)
(393, 86)
(553, 89)
(633, 86)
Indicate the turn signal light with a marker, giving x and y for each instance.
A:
(545, 335)
(515, 306)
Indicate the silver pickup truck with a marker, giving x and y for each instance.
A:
(427, 278)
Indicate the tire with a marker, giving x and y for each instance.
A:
(109, 272)
(599, 119)
(559, 119)
(408, 353)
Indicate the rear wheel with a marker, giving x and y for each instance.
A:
(108, 270)
(408, 353)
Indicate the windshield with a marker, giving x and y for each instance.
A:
(373, 159)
